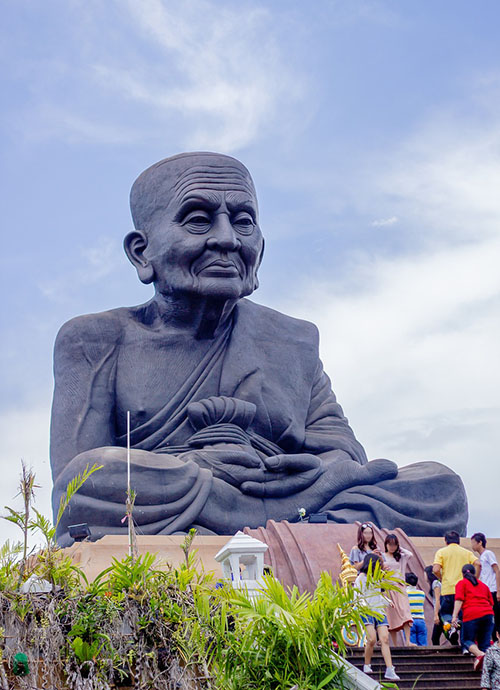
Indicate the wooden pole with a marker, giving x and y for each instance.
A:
(128, 452)
(129, 501)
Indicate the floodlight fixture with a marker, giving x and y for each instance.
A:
(79, 532)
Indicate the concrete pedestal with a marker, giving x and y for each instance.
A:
(94, 557)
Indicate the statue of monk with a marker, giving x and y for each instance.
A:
(233, 420)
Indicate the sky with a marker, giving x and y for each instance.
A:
(372, 131)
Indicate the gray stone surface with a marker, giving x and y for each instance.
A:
(233, 418)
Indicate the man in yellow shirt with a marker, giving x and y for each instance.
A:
(448, 563)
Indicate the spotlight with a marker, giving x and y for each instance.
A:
(317, 518)
(79, 532)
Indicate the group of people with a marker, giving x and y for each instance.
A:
(463, 585)
(465, 599)
(392, 607)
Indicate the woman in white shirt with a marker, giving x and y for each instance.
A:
(375, 600)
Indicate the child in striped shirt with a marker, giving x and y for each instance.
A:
(418, 631)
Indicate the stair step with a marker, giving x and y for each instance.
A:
(427, 676)
(408, 657)
(462, 661)
(435, 685)
(424, 668)
(420, 682)
(416, 651)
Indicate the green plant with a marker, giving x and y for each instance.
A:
(131, 622)
(86, 651)
(132, 537)
(9, 564)
(49, 563)
(22, 606)
(27, 488)
(43, 524)
(131, 575)
(280, 639)
(151, 625)
(187, 543)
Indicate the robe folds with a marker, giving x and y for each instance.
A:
(259, 389)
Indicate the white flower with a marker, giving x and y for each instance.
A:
(302, 512)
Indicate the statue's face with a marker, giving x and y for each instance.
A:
(207, 239)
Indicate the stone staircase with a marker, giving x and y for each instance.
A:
(424, 668)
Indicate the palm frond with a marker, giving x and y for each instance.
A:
(73, 486)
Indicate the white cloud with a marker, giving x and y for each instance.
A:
(446, 178)
(413, 356)
(194, 74)
(420, 331)
(381, 222)
(219, 67)
(411, 339)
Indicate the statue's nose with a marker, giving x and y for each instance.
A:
(222, 235)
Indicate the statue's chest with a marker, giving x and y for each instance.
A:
(150, 372)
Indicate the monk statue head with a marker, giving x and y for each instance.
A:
(196, 227)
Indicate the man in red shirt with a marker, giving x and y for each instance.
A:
(474, 599)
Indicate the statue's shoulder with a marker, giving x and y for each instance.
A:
(104, 328)
(279, 326)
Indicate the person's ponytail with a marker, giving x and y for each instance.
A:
(469, 573)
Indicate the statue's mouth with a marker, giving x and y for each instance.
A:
(220, 268)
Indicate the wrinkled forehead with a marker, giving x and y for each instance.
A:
(173, 179)
(213, 174)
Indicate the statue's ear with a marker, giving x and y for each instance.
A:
(135, 244)
(256, 280)
(261, 252)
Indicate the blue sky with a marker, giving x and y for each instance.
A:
(372, 130)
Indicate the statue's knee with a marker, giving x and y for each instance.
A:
(100, 456)
(381, 469)
(105, 457)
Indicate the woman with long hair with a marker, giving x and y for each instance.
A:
(435, 592)
(399, 615)
(374, 598)
(366, 544)
(474, 599)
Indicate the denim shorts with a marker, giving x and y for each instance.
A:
(479, 631)
(371, 620)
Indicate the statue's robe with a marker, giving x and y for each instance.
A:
(265, 372)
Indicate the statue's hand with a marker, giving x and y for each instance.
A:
(289, 474)
(285, 475)
(233, 464)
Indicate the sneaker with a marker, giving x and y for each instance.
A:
(367, 668)
(390, 674)
(478, 664)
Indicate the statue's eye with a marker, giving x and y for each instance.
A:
(197, 222)
(243, 223)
